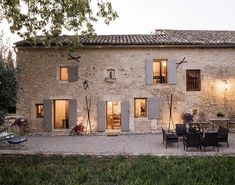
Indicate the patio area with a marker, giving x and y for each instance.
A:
(146, 144)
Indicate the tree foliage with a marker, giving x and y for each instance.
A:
(8, 80)
(50, 17)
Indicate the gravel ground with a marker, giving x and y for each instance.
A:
(149, 144)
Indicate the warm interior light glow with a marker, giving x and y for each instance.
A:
(225, 85)
(163, 63)
(140, 107)
(61, 114)
(113, 112)
(64, 73)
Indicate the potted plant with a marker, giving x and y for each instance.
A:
(220, 115)
(187, 119)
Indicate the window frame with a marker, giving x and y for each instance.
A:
(146, 107)
(161, 77)
(39, 115)
(188, 71)
(60, 68)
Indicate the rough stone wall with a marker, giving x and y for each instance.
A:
(39, 81)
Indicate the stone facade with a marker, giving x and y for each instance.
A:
(39, 71)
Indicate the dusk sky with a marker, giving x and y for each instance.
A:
(144, 16)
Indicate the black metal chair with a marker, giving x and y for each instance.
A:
(210, 139)
(223, 135)
(194, 127)
(231, 123)
(180, 130)
(169, 138)
(192, 140)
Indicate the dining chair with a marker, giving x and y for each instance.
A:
(192, 140)
(223, 135)
(210, 139)
(180, 130)
(169, 138)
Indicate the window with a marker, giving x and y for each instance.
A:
(159, 71)
(39, 110)
(193, 80)
(64, 75)
(140, 105)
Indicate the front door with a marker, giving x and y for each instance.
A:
(61, 114)
(113, 115)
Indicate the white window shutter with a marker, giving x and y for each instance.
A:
(149, 71)
(48, 120)
(125, 116)
(72, 112)
(171, 70)
(155, 108)
(101, 116)
(73, 73)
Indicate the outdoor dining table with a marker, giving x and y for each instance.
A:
(219, 121)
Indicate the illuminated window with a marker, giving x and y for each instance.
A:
(140, 107)
(64, 75)
(193, 80)
(159, 71)
(39, 110)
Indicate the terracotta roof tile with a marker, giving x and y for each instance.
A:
(161, 37)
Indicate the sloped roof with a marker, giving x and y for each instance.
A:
(203, 38)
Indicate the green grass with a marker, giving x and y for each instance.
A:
(61, 170)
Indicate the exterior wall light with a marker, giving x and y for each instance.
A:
(225, 85)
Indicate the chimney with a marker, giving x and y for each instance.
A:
(159, 32)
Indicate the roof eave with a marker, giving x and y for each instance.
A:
(85, 46)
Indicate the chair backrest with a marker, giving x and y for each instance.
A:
(210, 139)
(193, 139)
(232, 118)
(223, 130)
(180, 128)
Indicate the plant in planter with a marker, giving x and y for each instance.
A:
(187, 118)
(220, 115)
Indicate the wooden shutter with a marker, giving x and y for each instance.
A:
(72, 112)
(149, 71)
(125, 116)
(73, 73)
(48, 116)
(171, 72)
(155, 108)
(101, 116)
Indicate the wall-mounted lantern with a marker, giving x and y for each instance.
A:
(226, 85)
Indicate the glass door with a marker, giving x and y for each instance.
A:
(113, 113)
(61, 114)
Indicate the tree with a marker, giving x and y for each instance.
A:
(8, 80)
(50, 17)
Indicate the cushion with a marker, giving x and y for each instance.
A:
(17, 140)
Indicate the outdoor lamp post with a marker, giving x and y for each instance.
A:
(88, 105)
(226, 86)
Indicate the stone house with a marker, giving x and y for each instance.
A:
(127, 80)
